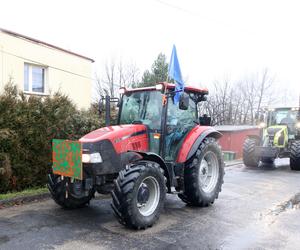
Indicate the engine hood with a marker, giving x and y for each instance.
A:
(114, 133)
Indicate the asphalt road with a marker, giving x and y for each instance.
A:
(257, 209)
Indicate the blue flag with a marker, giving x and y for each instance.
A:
(175, 74)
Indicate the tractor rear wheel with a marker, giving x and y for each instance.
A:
(139, 194)
(203, 177)
(61, 190)
(249, 157)
(295, 156)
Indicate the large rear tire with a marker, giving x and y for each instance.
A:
(139, 194)
(295, 156)
(203, 176)
(61, 190)
(249, 158)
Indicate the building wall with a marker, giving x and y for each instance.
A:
(234, 140)
(65, 72)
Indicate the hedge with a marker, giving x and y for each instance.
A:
(27, 127)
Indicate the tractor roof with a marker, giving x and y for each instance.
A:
(284, 108)
(171, 86)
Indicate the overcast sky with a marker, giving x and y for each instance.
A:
(214, 39)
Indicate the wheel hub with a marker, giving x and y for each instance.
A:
(203, 169)
(148, 196)
(209, 172)
(143, 194)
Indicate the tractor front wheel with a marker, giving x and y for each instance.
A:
(203, 177)
(139, 194)
(249, 157)
(295, 156)
(62, 192)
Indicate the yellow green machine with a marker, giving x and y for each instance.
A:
(279, 138)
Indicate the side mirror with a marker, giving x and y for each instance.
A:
(205, 120)
(184, 101)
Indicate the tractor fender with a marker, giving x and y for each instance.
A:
(129, 157)
(193, 140)
(168, 171)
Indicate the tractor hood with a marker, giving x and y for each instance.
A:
(114, 133)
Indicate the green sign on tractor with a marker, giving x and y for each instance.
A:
(66, 157)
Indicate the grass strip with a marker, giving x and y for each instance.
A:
(26, 192)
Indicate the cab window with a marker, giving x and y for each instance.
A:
(144, 107)
(179, 123)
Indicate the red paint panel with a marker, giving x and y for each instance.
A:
(189, 141)
(137, 143)
(234, 140)
(171, 86)
(122, 137)
(112, 132)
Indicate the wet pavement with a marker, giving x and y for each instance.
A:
(257, 209)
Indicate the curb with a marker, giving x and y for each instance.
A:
(233, 163)
(37, 197)
(23, 200)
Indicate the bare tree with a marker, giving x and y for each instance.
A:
(132, 75)
(116, 75)
(265, 89)
(110, 77)
(237, 102)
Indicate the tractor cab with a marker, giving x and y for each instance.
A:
(279, 138)
(285, 117)
(167, 122)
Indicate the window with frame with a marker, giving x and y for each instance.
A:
(178, 124)
(34, 78)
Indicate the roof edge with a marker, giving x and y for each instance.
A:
(12, 33)
(167, 85)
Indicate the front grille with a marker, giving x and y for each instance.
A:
(271, 140)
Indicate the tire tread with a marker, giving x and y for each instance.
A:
(295, 156)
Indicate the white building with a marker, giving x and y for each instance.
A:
(39, 68)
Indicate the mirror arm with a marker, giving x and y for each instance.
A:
(173, 92)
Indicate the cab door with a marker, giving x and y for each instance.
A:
(178, 124)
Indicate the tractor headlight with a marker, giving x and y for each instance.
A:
(262, 125)
(298, 125)
(91, 158)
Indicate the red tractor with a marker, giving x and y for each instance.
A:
(158, 147)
